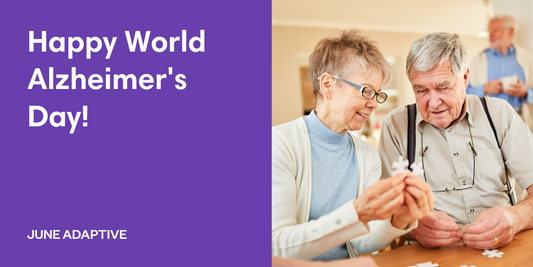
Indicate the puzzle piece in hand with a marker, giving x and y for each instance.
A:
(425, 264)
(492, 253)
(400, 166)
(465, 227)
(418, 170)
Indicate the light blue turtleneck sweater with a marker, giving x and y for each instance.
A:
(335, 174)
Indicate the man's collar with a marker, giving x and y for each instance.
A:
(510, 51)
(465, 110)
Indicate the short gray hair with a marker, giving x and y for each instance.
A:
(436, 48)
(507, 21)
(336, 56)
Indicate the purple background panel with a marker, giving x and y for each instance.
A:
(187, 173)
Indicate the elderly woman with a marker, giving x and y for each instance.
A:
(325, 181)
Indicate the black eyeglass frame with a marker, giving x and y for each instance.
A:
(362, 89)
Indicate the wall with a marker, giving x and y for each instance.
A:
(288, 42)
(522, 11)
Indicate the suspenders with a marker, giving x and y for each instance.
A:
(510, 190)
(411, 133)
(411, 142)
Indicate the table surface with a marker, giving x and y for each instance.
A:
(517, 253)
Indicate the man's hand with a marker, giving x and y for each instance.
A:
(418, 200)
(381, 199)
(491, 224)
(517, 89)
(493, 87)
(437, 229)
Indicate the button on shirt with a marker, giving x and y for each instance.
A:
(502, 66)
(448, 161)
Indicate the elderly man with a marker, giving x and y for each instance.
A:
(503, 59)
(458, 150)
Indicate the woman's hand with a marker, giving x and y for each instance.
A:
(418, 200)
(382, 199)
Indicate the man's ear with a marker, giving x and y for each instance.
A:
(467, 73)
(326, 85)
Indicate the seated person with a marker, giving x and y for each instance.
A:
(458, 149)
(325, 181)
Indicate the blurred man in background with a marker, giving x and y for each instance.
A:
(505, 70)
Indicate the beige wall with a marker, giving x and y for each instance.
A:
(288, 42)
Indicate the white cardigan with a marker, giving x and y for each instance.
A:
(479, 67)
(293, 236)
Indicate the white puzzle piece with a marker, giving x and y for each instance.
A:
(400, 166)
(492, 253)
(417, 170)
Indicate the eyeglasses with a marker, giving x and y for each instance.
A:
(474, 154)
(366, 92)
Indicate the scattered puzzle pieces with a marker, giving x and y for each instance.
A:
(492, 253)
(400, 166)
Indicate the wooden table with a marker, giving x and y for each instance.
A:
(517, 253)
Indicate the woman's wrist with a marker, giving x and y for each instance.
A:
(398, 223)
(359, 212)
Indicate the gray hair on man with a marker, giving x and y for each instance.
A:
(507, 21)
(436, 48)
